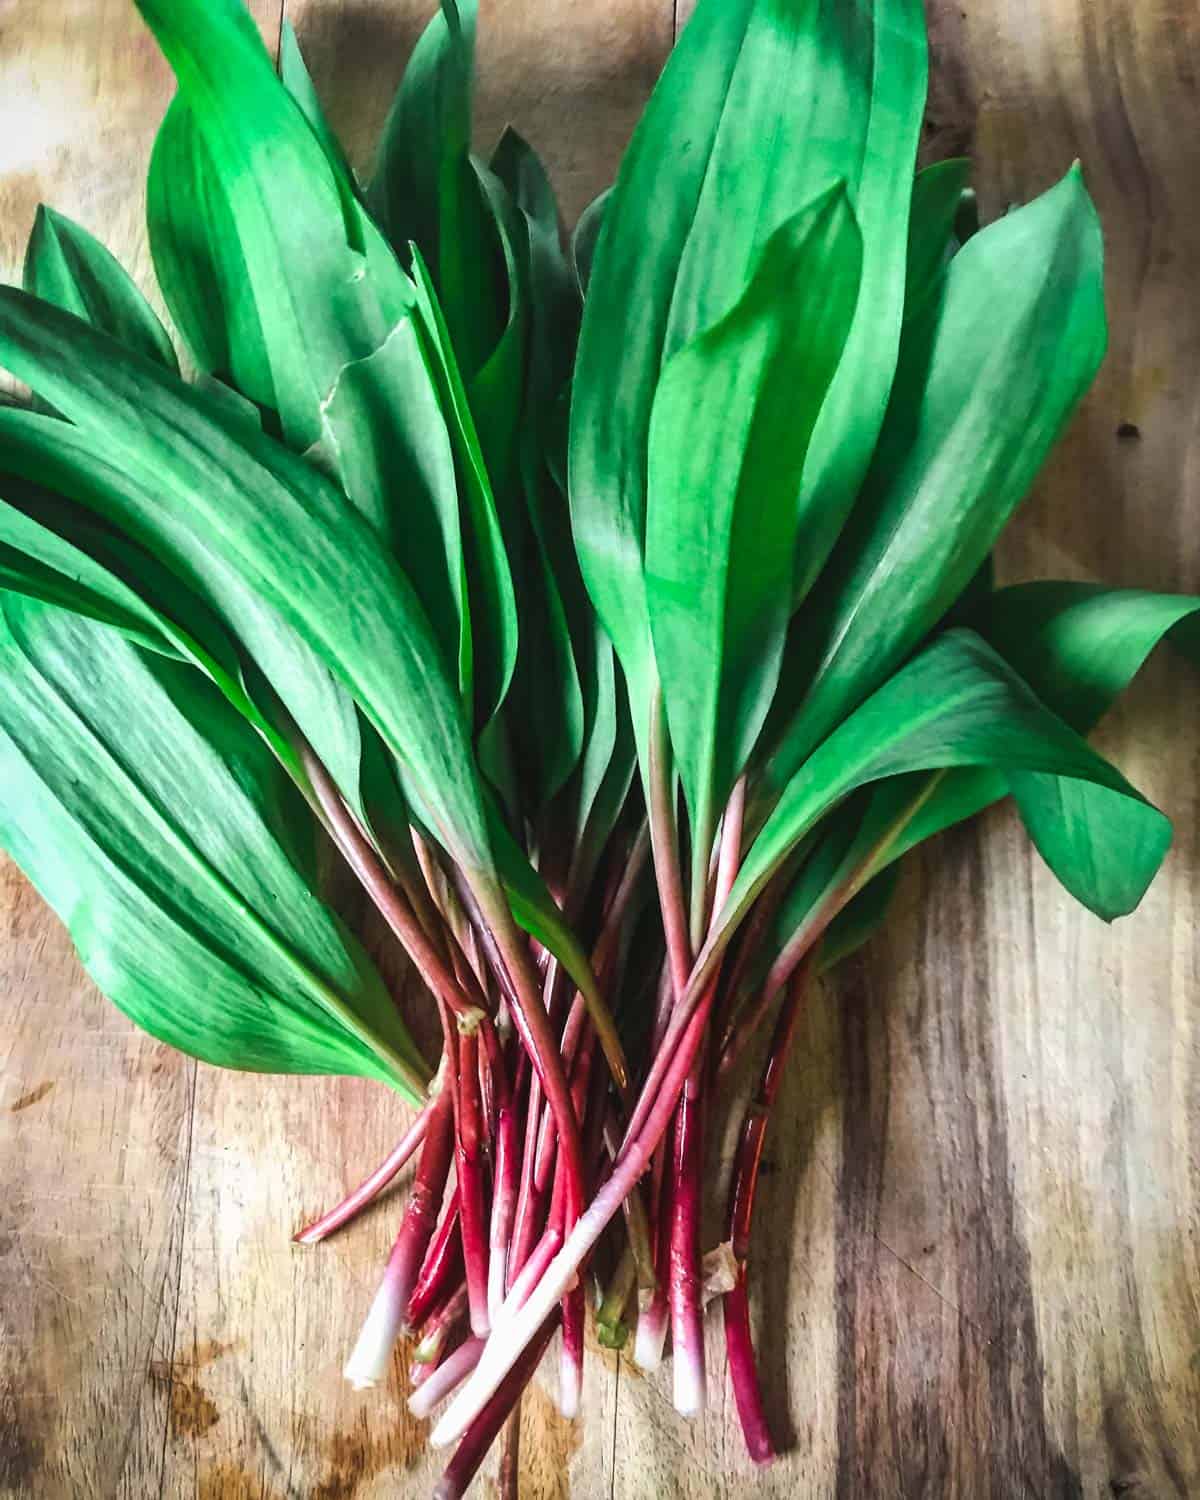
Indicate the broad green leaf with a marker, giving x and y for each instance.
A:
(389, 444)
(425, 188)
(956, 704)
(496, 392)
(93, 472)
(158, 827)
(545, 705)
(821, 91)
(1078, 645)
(605, 776)
(759, 108)
(277, 526)
(733, 416)
(988, 377)
(198, 260)
(495, 399)
(937, 195)
(325, 290)
(39, 563)
(493, 608)
(54, 551)
(584, 239)
(294, 74)
(67, 266)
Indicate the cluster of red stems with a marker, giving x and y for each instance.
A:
(539, 1159)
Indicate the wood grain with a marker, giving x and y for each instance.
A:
(978, 1250)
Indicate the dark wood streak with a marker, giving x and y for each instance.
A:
(31, 1096)
(940, 1374)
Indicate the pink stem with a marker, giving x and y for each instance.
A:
(686, 1279)
(376, 880)
(687, 1316)
(654, 1317)
(370, 1189)
(539, 1258)
(538, 1039)
(504, 1203)
(571, 1365)
(446, 1377)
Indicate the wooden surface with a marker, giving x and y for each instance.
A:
(978, 1253)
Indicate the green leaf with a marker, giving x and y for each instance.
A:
(759, 108)
(65, 265)
(585, 238)
(989, 375)
(604, 778)
(324, 288)
(956, 704)
(294, 74)
(198, 260)
(733, 416)
(158, 827)
(96, 474)
(389, 445)
(493, 608)
(425, 188)
(820, 92)
(278, 528)
(937, 195)
(54, 551)
(39, 563)
(1078, 646)
(545, 711)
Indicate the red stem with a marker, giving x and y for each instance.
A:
(482, 1432)
(369, 1189)
(440, 1323)
(508, 1479)
(376, 880)
(504, 1203)
(518, 1322)
(385, 1320)
(571, 1367)
(743, 1374)
(470, 1172)
(442, 1266)
(429, 1184)
(533, 1026)
(653, 1318)
(739, 1344)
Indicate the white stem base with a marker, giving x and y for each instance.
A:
(372, 1353)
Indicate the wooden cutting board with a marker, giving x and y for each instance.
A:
(978, 1255)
